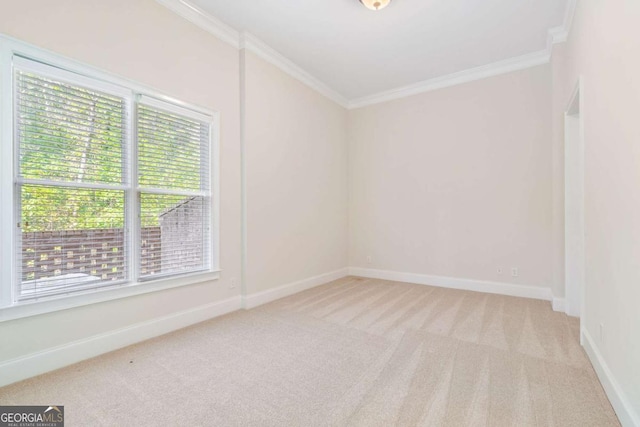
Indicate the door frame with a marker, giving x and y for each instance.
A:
(574, 216)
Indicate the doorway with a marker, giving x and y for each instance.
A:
(574, 204)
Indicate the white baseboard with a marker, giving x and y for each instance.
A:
(254, 300)
(67, 354)
(621, 404)
(524, 291)
(558, 304)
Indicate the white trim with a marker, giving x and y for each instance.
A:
(67, 354)
(555, 35)
(194, 113)
(214, 193)
(243, 177)
(574, 207)
(58, 65)
(583, 291)
(166, 191)
(573, 107)
(524, 291)
(558, 304)
(132, 207)
(244, 40)
(255, 45)
(569, 13)
(560, 33)
(259, 298)
(619, 400)
(97, 295)
(7, 214)
(252, 43)
(47, 70)
(204, 20)
(490, 70)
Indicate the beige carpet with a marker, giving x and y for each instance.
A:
(354, 352)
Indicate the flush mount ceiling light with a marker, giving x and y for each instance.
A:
(375, 4)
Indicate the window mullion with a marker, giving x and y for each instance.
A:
(82, 244)
(187, 193)
(133, 197)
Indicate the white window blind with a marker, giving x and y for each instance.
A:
(173, 177)
(111, 187)
(69, 185)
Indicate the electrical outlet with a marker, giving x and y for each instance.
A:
(368, 259)
(499, 270)
(233, 283)
(514, 271)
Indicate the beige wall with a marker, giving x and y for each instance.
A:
(456, 182)
(557, 155)
(296, 155)
(145, 42)
(296, 179)
(603, 47)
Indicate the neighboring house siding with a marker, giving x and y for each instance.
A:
(182, 236)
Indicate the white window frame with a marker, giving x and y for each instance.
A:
(9, 307)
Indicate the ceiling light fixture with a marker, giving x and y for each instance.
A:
(375, 4)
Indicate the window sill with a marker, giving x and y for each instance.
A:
(64, 302)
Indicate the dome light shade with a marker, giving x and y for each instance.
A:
(375, 4)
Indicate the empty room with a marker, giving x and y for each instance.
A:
(319, 213)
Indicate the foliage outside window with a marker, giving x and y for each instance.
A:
(111, 187)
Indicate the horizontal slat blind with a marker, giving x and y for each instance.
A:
(68, 133)
(173, 154)
(182, 246)
(172, 150)
(111, 187)
(71, 239)
(69, 137)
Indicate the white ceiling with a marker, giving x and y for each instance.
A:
(358, 52)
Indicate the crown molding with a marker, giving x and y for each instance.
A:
(204, 20)
(555, 35)
(569, 12)
(248, 41)
(559, 34)
(477, 73)
(253, 44)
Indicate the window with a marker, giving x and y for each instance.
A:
(173, 165)
(111, 186)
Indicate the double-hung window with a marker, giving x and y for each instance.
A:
(111, 185)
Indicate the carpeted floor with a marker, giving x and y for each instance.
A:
(355, 352)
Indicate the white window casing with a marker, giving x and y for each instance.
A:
(113, 187)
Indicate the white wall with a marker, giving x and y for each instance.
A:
(456, 182)
(145, 42)
(603, 47)
(296, 179)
